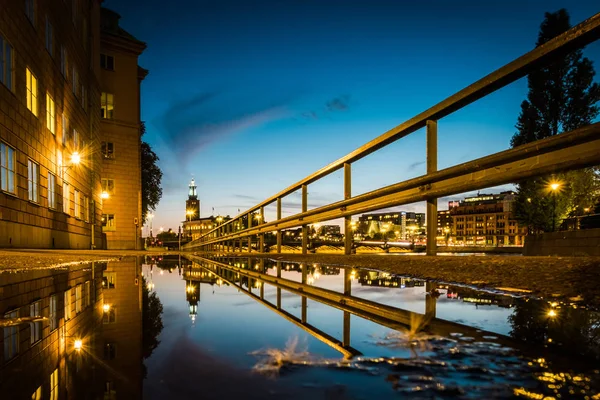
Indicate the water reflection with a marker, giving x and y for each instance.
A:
(454, 341)
(72, 332)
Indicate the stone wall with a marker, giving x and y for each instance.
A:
(584, 242)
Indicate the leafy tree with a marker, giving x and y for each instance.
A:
(151, 177)
(166, 236)
(562, 96)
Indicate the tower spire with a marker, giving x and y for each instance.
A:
(192, 192)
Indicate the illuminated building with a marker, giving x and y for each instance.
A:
(407, 224)
(194, 225)
(120, 81)
(487, 219)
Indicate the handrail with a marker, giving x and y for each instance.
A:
(578, 36)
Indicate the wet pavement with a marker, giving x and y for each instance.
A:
(174, 328)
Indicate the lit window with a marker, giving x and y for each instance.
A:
(86, 209)
(110, 316)
(107, 62)
(54, 385)
(67, 304)
(77, 201)
(49, 36)
(35, 327)
(30, 10)
(108, 150)
(108, 186)
(51, 190)
(75, 139)
(32, 92)
(7, 168)
(108, 222)
(11, 337)
(37, 395)
(6, 63)
(106, 105)
(78, 299)
(109, 280)
(52, 313)
(66, 198)
(65, 131)
(33, 174)
(50, 114)
(87, 302)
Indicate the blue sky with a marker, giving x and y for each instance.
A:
(250, 97)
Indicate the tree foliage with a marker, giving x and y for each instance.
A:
(151, 178)
(152, 325)
(562, 96)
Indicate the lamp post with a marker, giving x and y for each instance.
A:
(554, 187)
(150, 216)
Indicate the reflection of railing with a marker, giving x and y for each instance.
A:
(576, 149)
(388, 316)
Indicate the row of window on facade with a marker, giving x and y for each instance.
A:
(81, 208)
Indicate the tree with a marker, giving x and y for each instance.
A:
(166, 236)
(152, 324)
(562, 96)
(151, 178)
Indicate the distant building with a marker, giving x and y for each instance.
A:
(120, 81)
(194, 226)
(404, 224)
(487, 219)
(444, 223)
(192, 204)
(329, 231)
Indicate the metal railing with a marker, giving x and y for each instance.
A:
(577, 149)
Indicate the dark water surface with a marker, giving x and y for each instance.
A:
(250, 328)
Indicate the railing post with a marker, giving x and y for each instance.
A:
(249, 236)
(304, 227)
(278, 230)
(261, 236)
(431, 202)
(348, 234)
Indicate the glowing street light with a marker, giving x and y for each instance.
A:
(78, 344)
(75, 158)
(105, 195)
(554, 188)
(552, 313)
(106, 307)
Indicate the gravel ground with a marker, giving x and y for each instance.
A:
(546, 277)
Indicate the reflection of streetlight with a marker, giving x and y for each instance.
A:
(552, 313)
(554, 188)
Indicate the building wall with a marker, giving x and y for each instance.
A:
(24, 223)
(123, 131)
(585, 242)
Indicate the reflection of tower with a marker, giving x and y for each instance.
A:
(192, 295)
(192, 204)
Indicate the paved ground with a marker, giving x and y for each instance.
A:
(548, 277)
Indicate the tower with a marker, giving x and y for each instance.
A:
(192, 204)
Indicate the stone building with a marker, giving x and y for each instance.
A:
(120, 81)
(487, 219)
(51, 163)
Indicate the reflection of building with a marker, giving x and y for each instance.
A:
(39, 358)
(192, 296)
(120, 80)
(477, 297)
(373, 278)
(487, 219)
(122, 329)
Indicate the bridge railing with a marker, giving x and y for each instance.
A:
(572, 150)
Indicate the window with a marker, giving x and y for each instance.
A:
(36, 327)
(49, 36)
(33, 175)
(88, 294)
(108, 150)
(110, 316)
(37, 395)
(11, 337)
(30, 10)
(64, 66)
(7, 168)
(74, 79)
(109, 390)
(86, 209)
(78, 299)
(67, 304)
(77, 203)
(109, 280)
(65, 132)
(50, 114)
(32, 92)
(54, 385)
(66, 198)
(107, 62)
(51, 190)
(52, 313)
(83, 98)
(6, 63)
(110, 351)
(106, 105)
(108, 186)
(75, 139)
(108, 222)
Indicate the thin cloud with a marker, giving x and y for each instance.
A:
(415, 165)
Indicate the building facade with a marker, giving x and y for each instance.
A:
(487, 219)
(52, 153)
(120, 127)
(49, 127)
(405, 225)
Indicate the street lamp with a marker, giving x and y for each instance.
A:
(554, 188)
(149, 216)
